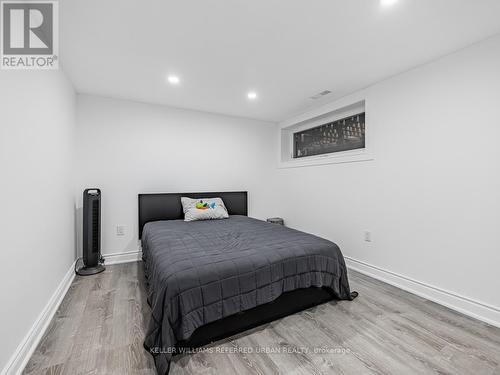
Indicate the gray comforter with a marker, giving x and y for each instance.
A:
(199, 272)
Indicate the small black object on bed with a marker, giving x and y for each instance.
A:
(211, 279)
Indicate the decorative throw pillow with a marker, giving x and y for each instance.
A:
(203, 209)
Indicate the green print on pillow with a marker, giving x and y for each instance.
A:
(205, 206)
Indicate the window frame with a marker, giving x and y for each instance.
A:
(295, 133)
(288, 128)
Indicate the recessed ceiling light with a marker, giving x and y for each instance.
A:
(174, 80)
(387, 3)
(252, 95)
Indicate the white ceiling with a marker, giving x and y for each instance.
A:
(286, 50)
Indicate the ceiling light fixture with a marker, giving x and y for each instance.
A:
(252, 95)
(173, 80)
(388, 3)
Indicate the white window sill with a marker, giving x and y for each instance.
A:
(326, 159)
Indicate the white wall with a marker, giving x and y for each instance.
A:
(36, 197)
(431, 197)
(126, 148)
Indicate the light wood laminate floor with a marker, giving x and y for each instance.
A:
(99, 329)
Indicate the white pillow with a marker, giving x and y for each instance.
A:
(203, 209)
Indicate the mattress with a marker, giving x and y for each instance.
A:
(202, 271)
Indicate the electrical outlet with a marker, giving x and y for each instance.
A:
(368, 236)
(120, 230)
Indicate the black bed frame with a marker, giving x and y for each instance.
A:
(167, 206)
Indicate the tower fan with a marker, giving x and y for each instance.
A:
(92, 259)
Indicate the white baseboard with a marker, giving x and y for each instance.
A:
(475, 309)
(21, 356)
(124, 257)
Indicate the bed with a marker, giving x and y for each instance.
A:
(210, 279)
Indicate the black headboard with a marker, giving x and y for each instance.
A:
(167, 206)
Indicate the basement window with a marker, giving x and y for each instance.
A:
(344, 134)
(339, 135)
